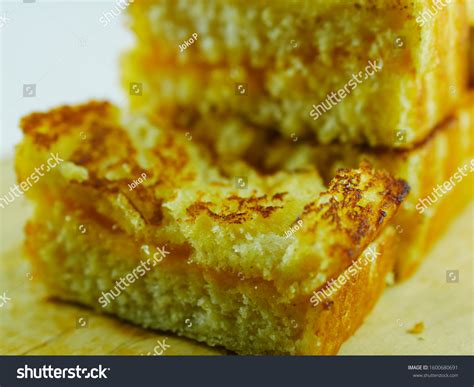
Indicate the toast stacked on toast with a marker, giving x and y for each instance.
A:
(358, 72)
(189, 244)
(244, 190)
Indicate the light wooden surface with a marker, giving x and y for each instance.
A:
(31, 324)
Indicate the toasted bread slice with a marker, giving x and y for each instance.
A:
(248, 255)
(446, 157)
(375, 72)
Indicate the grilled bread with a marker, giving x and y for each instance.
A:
(379, 72)
(277, 263)
(446, 157)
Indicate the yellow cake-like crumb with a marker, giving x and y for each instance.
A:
(417, 328)
(232, 266)
(435, 161)
(300, 66)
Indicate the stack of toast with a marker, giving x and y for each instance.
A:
(279, 163)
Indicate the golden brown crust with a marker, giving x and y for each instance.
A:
(319, 330)
(45, 127)
(235, 209)
(187, 205)
(339, 316)
(342, 219)
(90, 136)
(429, 164)
(345, 225)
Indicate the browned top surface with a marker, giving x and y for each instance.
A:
(32, 324)
(183, 190)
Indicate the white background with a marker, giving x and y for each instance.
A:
(63, 48)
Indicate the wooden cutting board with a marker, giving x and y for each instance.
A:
(31, 324)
